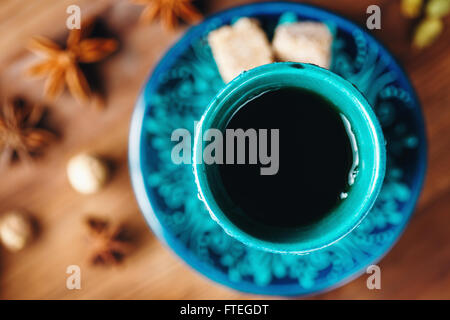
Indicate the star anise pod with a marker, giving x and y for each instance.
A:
(169, 11)
(61, 65)
(20, 136)
(111, 242)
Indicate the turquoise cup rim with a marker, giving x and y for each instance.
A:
(364, 125)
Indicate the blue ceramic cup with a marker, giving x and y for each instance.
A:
(366, 132)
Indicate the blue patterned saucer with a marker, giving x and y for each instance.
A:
(176, 95)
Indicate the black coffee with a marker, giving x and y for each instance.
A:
(315, 159)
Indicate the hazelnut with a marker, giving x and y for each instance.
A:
(87, 174)
(15, 230)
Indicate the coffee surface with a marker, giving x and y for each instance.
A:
(315, 159)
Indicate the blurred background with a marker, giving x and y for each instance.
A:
(418, 267)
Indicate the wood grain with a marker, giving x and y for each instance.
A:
(417, 267)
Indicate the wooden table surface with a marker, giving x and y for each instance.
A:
(417, 267)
